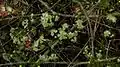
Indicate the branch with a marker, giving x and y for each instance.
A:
(78, 53)
(102, 60)
(74, 64)
(53, 12)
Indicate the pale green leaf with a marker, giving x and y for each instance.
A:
(111, 18)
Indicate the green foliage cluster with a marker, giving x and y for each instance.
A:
(65, 30)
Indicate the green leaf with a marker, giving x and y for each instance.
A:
(53, 31)
(62, 34)
(79, 24)
(25, 23)
(104, 4)
(46, 20)
(111, 18)
(107, 33)
(65, 26)
(70, 35)
(20, 66)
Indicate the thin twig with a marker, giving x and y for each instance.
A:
(55, 4)
(53, 45)
(78, 53)
(108, 49)
(102, 60)
(60, 14)
(105, 25)
(90, 28)
(74, 64)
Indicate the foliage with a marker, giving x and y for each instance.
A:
(52, 31)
